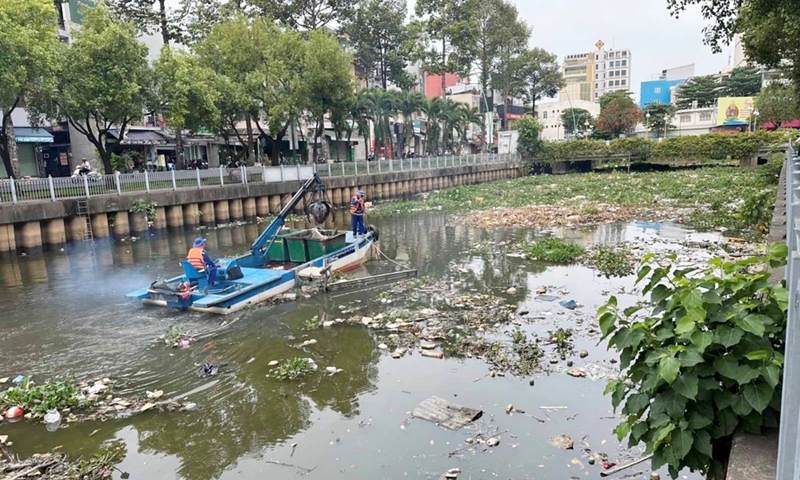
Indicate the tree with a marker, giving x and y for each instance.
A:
(529, 142)
(661, 115)
(469, 116)
(105, 81)
(153, 16)
(327, 82)
(500, 37)
(432, 108)
(408, 104)
(362, 116)
(447, 31)
(186, 93)
(777, 104)
(305, 15)
(576, 120)
(451, 118)
(381, 41)
(741, 82)
(768, 29)
(618, 114)
(703, 89)
(239, 50)
(29, 53)
(540, 75)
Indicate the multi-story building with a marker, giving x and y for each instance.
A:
(612, 70)
(549, 115)
(591, 75)
(578, 71)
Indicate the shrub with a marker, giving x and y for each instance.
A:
(293, 369)
(612, 261)
(705, 361)
(554, 250)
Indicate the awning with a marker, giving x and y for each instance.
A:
(141, 137)
(343, 137)
(32, 135)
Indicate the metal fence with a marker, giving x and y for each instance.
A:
(39, 189)
(789, 443)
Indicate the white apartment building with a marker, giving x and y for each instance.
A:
(691, 121)
(612, 70)
(549, 115)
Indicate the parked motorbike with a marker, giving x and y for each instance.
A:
(82, 172)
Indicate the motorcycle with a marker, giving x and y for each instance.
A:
(83, 172)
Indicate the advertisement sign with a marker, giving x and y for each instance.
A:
(63, 159)
(734, 110)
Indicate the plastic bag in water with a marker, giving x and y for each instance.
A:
(52, 420)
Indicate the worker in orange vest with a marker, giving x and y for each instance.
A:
(202, 261)
(357, 211)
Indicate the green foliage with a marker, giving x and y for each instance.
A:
(562, 338)
(539, 73)
(742, 81)
(381, 42)
(145, 207)
(293, 369)
(29, 56)
(122, 161)
(660, 116)
(38, 399)
(756, 211)
(447, 32)
(554, 250)
(702, 89)
(105, 81)
(612, 260)
(618, 114)
(770, 172)
(98, 466)
(705, 360)
(529, 143)
(777, 103)
(577, 121)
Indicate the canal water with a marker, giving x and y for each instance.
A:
(64, 313)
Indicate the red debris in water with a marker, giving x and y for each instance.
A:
(14, 412)
(607, 465)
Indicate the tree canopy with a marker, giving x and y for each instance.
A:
(660, 116)
(105, 82)
(540, 75)
(703, 89)
(741, 82)
(618, 114)
(29, 57)
(577, 120)
(777, 103)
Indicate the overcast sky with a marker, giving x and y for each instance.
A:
(656, 40)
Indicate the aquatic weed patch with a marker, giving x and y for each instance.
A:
(554, 250)
(612, 260)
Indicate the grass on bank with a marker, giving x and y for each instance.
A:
(728, 197)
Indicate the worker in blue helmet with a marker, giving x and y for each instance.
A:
(357, 212)
(200, 259)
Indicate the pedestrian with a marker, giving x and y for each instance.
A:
(357, 212)
(200, 259)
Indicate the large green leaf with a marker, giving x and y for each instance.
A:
(778, 250)
(772, 374)
(642, 273)
(727, 366)
(746, 374)
(722, 399)
(757, 355)
(686, 385)
(758, 395)
(740, 406)
(690, 358)
(668, 368)
(664, 333)
(753, 323)
(692, 299)
(680, 443)
(701, 340)
(636, 404)
(664, 432)
(712, 297)
(728, 336)
(698, 421)
(660, 292)
(725, 423)
(685, 325)
(702, 442)
(626, 337)
(674, 404)
(606, 321)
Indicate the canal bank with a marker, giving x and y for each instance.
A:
(31, 226)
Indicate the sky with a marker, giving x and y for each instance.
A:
(657, 41)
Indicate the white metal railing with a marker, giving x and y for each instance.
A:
(39, 189)
(789, 443)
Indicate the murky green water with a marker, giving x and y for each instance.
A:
(65, 314)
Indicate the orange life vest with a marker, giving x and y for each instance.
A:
(358, 207)
(195, 257)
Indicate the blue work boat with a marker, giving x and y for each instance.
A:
(262, 274)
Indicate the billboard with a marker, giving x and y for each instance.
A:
(734, 110)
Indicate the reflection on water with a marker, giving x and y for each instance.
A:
(65, 314)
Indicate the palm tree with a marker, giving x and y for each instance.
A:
(362, 111)
(450, 116)
(408, 103)
(469, 116)
(432, 109)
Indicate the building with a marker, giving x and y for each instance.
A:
(739, 60)
(612, 70)
(549, 115)
(433, 84)
(578, 70)
(658, 91)
(691, 121)
(591, 75)
(683, 72)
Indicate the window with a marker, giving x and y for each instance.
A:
(597, 56)
(596, 76)
(596, 85)
(686, 118)
(544, 114)
(610, 64)
(595, 94)
(624, 63)
(705, 117)
(616, 83)
(623, 81)
(657, 90)
(624, 54)
(624, 73)
(617, 64)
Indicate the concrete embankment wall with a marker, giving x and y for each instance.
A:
(27, 227)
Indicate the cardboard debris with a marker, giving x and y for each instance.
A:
(446, 414)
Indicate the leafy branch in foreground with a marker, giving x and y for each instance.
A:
(706, 361)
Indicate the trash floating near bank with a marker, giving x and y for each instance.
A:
(277, 262)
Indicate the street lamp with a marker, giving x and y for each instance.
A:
(666, 122)
(646, 124)
(755, 120)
